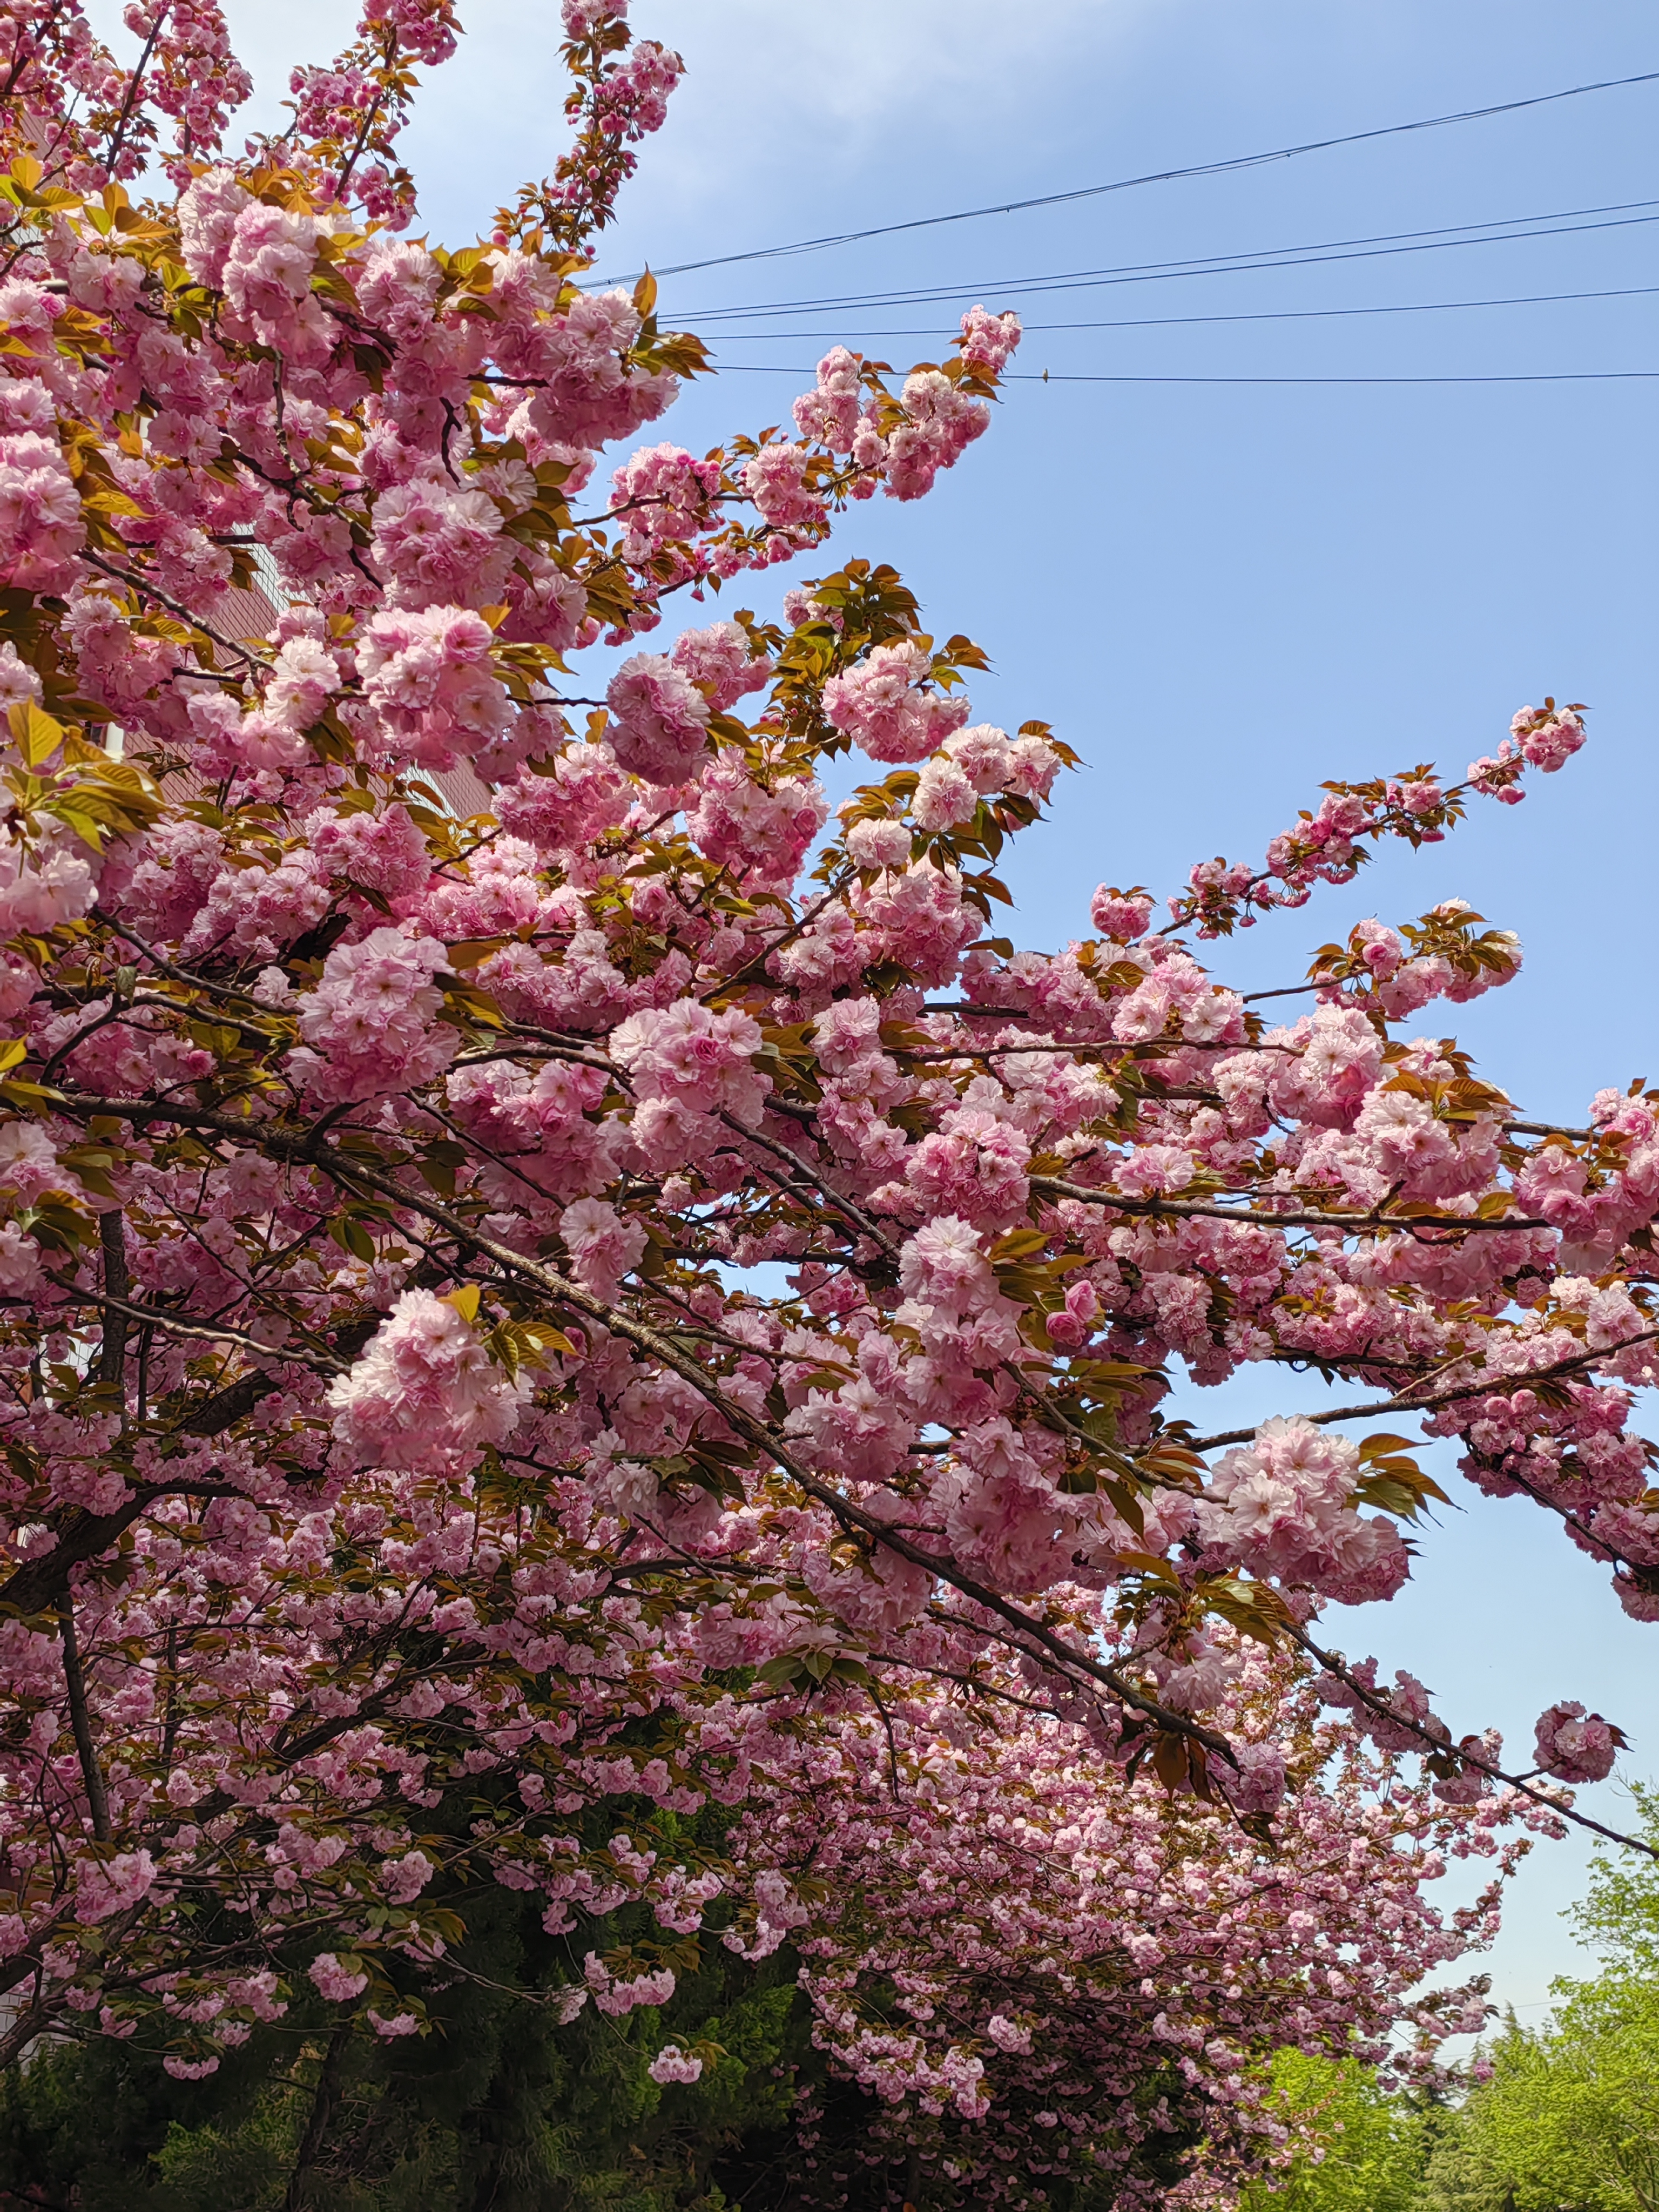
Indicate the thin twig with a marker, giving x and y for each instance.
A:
(1480, 1386)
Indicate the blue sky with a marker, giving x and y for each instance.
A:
(1220, 594)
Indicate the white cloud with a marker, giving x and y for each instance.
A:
(789, 112)
(867, 63)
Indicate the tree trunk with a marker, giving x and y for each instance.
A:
(322, 2111)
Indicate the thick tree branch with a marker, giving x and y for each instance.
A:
(92, 1775)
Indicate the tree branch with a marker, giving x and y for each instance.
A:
(92, 1775)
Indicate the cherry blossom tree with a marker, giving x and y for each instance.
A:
(550, 1279)
(1053, 1980)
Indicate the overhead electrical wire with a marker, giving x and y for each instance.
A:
(1152, 177)
(1539, 376)
(1260, 315)
(1384, 244)
(1057, 376)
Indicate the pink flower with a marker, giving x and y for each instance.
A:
(876, 1596)
(399, 288)
(829, 414)
(1280, 1508)
(942, 1265)
(945, 795)
(775, 479)
(615, 1997)
(337, 1982)
(105, 1887)
(662, 493)
(304, 677)
(918, 918)
(695, 1057)
(1575, 1745)
(659, 720)
(19, 683)
(40, 890)
(721, 663)
(404, 1878)
(189, 2070)
(267, 280)
(973, 1166)
(207, 223)
(885, 709)
(429, 680)
(603, 1247)
(424, 1395)
(40, 524)
(20, 1274)
(1548, 736)
(940, 424)
(989, 341)
(672, 2064)
(384, 853)
(372, 1021)
(878, 844)
(441, 547)
(1258, 1783)
(760, 834)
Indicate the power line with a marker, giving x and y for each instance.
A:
(1548, 376)
(1381, 245)
(1268, 315)
(1046, 376)
(1151, 177)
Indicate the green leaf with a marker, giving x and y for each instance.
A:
(36, 736)
(350, 1236)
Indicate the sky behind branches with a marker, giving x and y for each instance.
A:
(1222, 594)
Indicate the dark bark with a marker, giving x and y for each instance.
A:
(81, 1721)
(112, 1356)
(322, 2109)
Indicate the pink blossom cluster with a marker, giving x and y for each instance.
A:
(673, 2064)
(662, 493)
(1032, 1952)
(425, 1394)
(1577, 1745)
(40, 524)
(972, 763)
(430, 680)
(1544, 738)
(890, 708)
(1327, 846)
(1282, 1509)
(660, 719)
(685, 1063)
(903, 441)
(371, 1026)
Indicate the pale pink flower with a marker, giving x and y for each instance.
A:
(425, 1393)
(659, 720)
(886, 708)
(1575, 1745)
(673, 2064)
(337, 1982)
